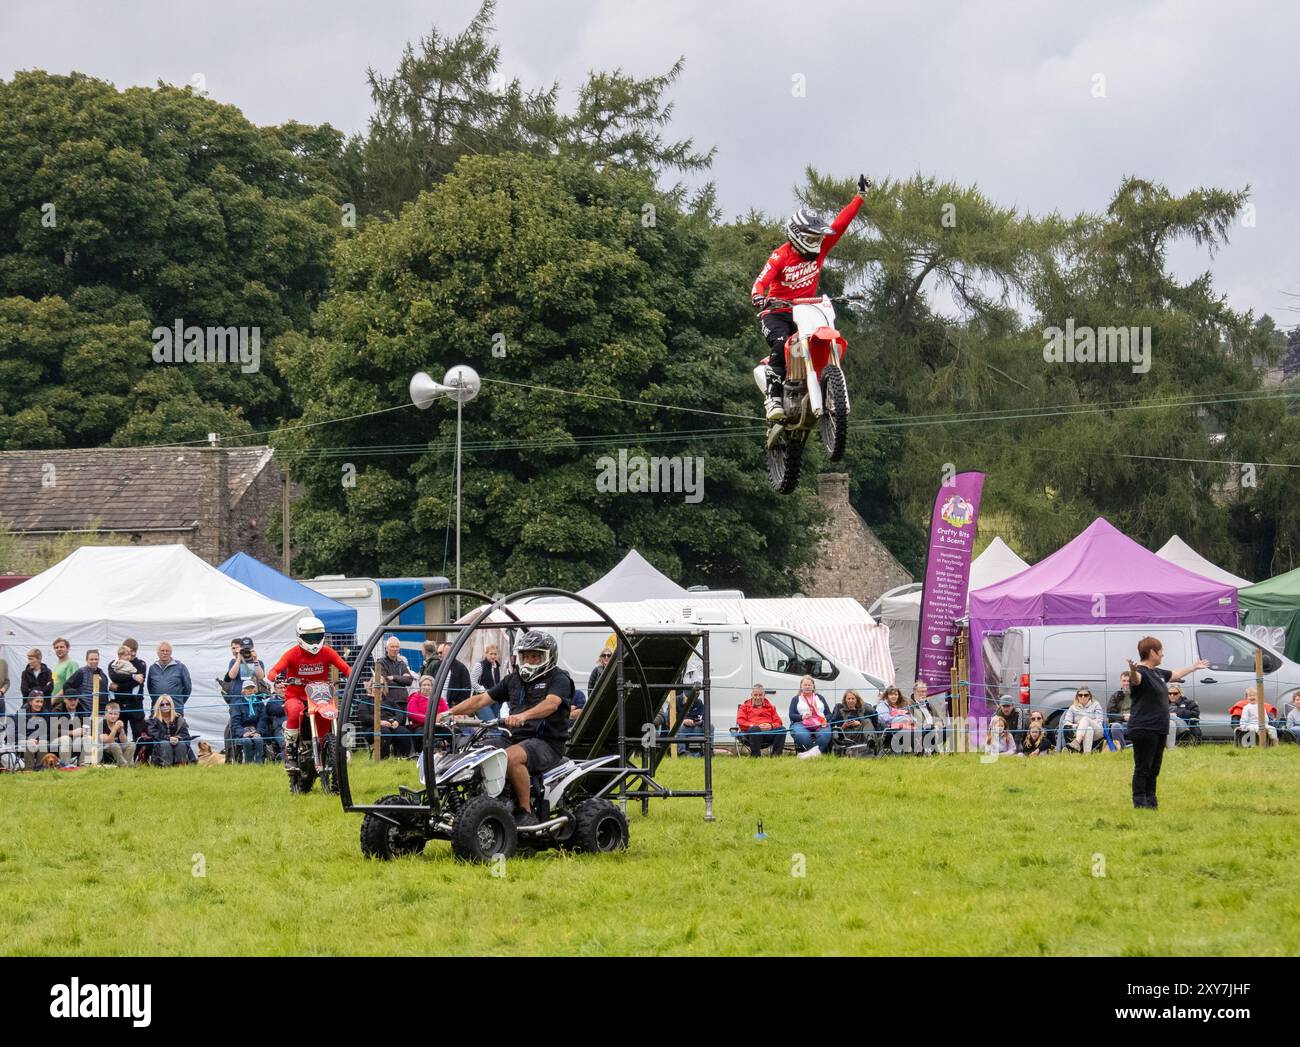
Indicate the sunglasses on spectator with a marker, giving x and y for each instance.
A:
(1083, 694)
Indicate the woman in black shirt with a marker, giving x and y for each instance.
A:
(1148, 719)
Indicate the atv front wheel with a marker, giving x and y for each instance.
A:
(835, 413)
(599, 827)
(329, 778)
(784, 456)
(306, 776)
(383, 840)
(485, 828)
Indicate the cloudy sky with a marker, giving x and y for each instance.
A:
(1001, 94)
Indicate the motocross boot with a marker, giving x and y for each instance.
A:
(291, 752)
(772, 408)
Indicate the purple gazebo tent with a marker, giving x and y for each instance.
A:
(1101, 577)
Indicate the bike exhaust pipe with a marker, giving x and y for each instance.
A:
(542, 827)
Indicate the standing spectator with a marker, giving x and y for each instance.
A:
(457, 688)
(1250, 718)
(112, 735)
(759, 724)
(810, 718)
(171, 678)
(1187, 713)
(1036, 741)
(850, 722)
(64, 666)
(36, 677)
(82, 682)
(486, 673)
(429, 667)
(1293, 718)
(126, 681)
(1148, 723)
(169, 732)
(1081, 723)
(394, 672)
(1118, 710)
(4, 683)
(271, 724)
(34, 735)
(244, 665)
(602, 663)
(70, 727)
(245, 715)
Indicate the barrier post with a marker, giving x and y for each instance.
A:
(377, 696)
(1260, 704)
(92, 755)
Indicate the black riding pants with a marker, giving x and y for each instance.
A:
(777, 327)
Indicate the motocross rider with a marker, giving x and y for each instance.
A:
(792, 271)
(539, 693)
(309, 662)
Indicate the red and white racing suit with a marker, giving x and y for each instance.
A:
(309, 668)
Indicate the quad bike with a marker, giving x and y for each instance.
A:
(473, 804)
(815, 395)
(318, 755)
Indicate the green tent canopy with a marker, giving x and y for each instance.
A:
(1270, 611)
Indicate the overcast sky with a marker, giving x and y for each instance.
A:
(998, 94)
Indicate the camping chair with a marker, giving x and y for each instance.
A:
(1239, 733)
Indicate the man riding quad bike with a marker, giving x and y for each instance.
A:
(792, 271)
(307, 667)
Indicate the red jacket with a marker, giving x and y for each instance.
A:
(765, 715)
(788, 274)
(417, 708)
(310, 668)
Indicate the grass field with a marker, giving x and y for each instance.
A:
(899, 856)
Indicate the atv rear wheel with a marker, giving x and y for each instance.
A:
(383, 840)
(835, 413)
(485, 828)
(599, 827)
(784, 456)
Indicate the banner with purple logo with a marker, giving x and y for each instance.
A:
(947, 575)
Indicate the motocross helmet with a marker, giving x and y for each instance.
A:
(311, 635)
(805, 229)
(536, 641)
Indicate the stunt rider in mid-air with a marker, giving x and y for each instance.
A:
(307, 663)
(792, 271)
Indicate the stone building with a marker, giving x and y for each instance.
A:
(851, 560)
(215, 500)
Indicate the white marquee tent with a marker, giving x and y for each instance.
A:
(903, 613)
(99, 595)
(632, 578)
(1176, 551)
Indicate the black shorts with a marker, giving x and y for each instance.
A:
(541, 755)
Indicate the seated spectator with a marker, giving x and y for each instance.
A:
(1117, 711)
(1293, 718)
(810, 718)
(690, 721)
(576, 704)
(850, 722)
(759, 724)
(417, 706)
(1000, 741)
(36, 677)
(207, 758)
(245, 715)
(1080, 728)
(112, 736)
(602, 663)
(169, 734)
(34, 734)
(897, 721)
(1010, 713)
(1185, 712)
(168, 676)
(1037, 741)
(1249, 723)
(271, 725)
(71, 728)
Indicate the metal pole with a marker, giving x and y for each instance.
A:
(458, 412)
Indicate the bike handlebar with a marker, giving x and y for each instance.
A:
(771, 302)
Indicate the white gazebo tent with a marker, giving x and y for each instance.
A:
(1176, 551)
(99, 595)
(632, 578)
(902, 614)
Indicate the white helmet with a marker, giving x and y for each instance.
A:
(311, 634)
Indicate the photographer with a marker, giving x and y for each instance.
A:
(244, 665)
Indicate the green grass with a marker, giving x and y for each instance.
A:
(900, 856)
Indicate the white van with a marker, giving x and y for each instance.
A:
(1044, 664)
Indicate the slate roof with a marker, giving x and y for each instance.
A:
(119, 488)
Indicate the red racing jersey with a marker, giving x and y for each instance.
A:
(788, 274)
(310, 668)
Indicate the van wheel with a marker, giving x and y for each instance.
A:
(599, 827)
(485, 828)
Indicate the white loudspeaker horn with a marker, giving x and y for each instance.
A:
(461, 383)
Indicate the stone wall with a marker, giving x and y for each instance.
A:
(851, 560)
(249, 528)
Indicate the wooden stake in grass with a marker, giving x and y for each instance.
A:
(92, 757)
(1262, 726)
(377, 696)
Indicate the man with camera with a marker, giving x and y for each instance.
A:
(244, 665)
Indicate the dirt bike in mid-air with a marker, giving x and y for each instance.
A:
(815, 395)
(318, 751)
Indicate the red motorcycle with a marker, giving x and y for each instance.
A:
(815, 395)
